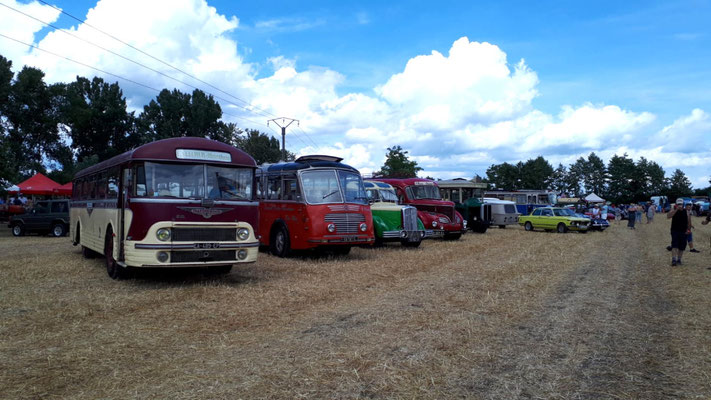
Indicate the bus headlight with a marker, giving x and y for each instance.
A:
(242, 254)
(162, 256)
(363, 226)
(163, 234)
(242, 233)
(434, 224)
(331, 227)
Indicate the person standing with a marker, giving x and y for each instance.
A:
(651, 211)
(680, 227)
(631, 216)
(690, 236)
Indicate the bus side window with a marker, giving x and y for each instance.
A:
(291, 189)
(101, 186)
(274, 187)
(140, 181)
(113, 179)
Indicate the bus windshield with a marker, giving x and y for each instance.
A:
(324, 186)
(422, 192)
(186, 181)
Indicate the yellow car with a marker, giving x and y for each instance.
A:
(558, 218)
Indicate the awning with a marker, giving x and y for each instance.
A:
(38, 184)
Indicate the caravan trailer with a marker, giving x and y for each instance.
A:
(503, 212)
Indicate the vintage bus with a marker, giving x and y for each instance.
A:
(393, 221)
(314, 202)
(526, 200)
(439, 216)
(180, 202)
(466, 196)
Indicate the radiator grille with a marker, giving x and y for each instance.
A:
(204, 234)
(345, 223)
(409, 219)
(203, 255)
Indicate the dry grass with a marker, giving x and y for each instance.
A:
(508, 314)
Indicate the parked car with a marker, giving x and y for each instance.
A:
(554, 218)
(393, 222)
(47, 216)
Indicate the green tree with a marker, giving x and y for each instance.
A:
(558, 181)
(95, 114)
(621, 172)
(595, 175)
(576, 175)
(651, 175)
(397, 165)
(679, 185)
(505, 176)
(262, 147)
(536, 174)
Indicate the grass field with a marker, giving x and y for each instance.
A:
(507, 314)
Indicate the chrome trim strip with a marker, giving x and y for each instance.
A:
(392, 234)
(193, 201)
(191, 246)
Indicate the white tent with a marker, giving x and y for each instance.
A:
(593, 198)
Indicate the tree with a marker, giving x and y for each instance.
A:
(397, 165)
(621, 172)
(558, 181)
(96, 117)
(679, 185)
(177, 114)
(595, 175)
(575, 178)
(536, 174)
(651, 176)
(262, 147)
(505, 176)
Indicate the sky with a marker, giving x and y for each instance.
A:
(459, 85)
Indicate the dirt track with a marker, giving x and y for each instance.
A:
(508, 314)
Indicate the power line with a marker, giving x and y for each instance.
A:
(258, 110)
(305, 134)
(121, 56)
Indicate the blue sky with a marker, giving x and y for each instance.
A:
(609, 77)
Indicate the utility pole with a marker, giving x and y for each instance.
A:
(283, 123)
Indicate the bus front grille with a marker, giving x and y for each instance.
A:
(345, 223)
(409, 218)
(202, 255)
(204, 234)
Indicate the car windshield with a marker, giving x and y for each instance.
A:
(388, 195)
(423, 192)
(184, 181)
(564, 212)
(332, 186)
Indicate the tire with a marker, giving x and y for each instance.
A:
(528, 226)
(280, 244)
(87, 253)
(502, 226)
(561, 228)
(59, 230)
(114, 270)
(18, 230)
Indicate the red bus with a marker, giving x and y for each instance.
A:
(180, 202)
(313, 202)
(439, 216)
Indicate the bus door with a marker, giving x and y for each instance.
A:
(125, 183)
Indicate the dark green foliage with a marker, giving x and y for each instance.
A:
(533, 174)
(397, 165)
(679, 185)
(262, 147)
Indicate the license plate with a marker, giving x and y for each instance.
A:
(207, 245)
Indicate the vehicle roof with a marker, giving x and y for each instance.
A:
(165, 150)
(493, 200)
(402, 182)
(463, 183)
(376, 185)
(306, 162)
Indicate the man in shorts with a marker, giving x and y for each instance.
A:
(680, 227)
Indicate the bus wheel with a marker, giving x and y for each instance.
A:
(18, 230)
(59, 230)
(562, 228)
(86, 253)
(280, 244)
(114, 270)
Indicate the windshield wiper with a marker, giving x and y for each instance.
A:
(330, 194)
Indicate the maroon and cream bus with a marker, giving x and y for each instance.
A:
(313, 202)
(180, 202)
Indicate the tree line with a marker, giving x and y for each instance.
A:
(622, 180)
(59, 129)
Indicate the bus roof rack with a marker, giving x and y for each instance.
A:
(318, 157)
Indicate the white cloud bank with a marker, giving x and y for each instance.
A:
(456, 113)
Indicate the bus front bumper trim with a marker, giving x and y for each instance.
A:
(192, 246)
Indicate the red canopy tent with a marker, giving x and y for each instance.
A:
(38, 184)
(64, 190)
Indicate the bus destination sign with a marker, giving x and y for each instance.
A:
(204, 155)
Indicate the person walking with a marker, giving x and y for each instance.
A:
(680, 227)
(690, 236)
(651, 211)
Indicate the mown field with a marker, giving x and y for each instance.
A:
(507, 314)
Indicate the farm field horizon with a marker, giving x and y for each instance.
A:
(505, 314)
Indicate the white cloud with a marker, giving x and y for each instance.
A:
(19, 27)
(689, 134)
